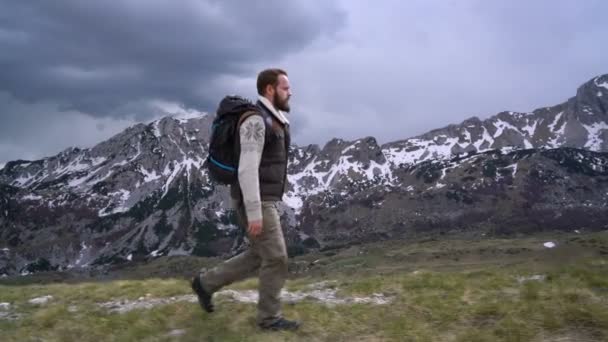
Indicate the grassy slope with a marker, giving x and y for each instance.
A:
(446, 290)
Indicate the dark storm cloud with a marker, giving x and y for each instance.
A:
(74, 72)
(98, 56)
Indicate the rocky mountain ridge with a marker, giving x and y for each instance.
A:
(144, 193)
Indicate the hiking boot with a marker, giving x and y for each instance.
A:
(204, 297)
(282, 324)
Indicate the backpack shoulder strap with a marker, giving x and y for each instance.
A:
(245, 116)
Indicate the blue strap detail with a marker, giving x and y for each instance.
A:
(225, 167)
(212, 128)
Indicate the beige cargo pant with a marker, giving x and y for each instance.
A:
(266, 255)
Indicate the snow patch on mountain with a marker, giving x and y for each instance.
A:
(530, 128)
(156, 129)
(293, 200)
(149, 176)
(418, 150)
(319, 181)
(31, 197)
(604, 84)
(485, 138)
(514, 167)
(23, 180)
(593, 139)
(117, 204)
(558, 134)
(501, 126)
(82, 256)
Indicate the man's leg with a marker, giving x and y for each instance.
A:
(270, 246)
(235, 269)
(232, 270)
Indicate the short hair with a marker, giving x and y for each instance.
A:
(269, 77)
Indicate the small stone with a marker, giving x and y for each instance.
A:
(10, 316)
(176, 332)
(72, 308)
(40, 300)
(536, 277)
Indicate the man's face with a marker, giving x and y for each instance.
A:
(282, 93)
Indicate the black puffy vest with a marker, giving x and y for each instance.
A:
(273, 166)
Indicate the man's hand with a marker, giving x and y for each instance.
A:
(254, 228)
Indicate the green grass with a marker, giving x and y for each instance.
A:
(477, 298)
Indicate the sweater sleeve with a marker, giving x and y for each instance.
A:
(251, 133)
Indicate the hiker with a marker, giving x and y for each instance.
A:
(262, 177)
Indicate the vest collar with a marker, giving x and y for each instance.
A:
(277, 113)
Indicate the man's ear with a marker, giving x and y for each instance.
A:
(270, 90)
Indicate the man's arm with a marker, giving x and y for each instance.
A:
(252, 133)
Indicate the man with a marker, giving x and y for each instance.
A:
(262, 177)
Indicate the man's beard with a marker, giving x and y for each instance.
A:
(281, 105)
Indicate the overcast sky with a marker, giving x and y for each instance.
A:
(73, 73)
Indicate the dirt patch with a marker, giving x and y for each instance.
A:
(315, 292)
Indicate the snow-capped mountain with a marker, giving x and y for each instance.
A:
(580, 122)
(144, 193)
(140, 193)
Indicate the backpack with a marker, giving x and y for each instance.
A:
(223, 159)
